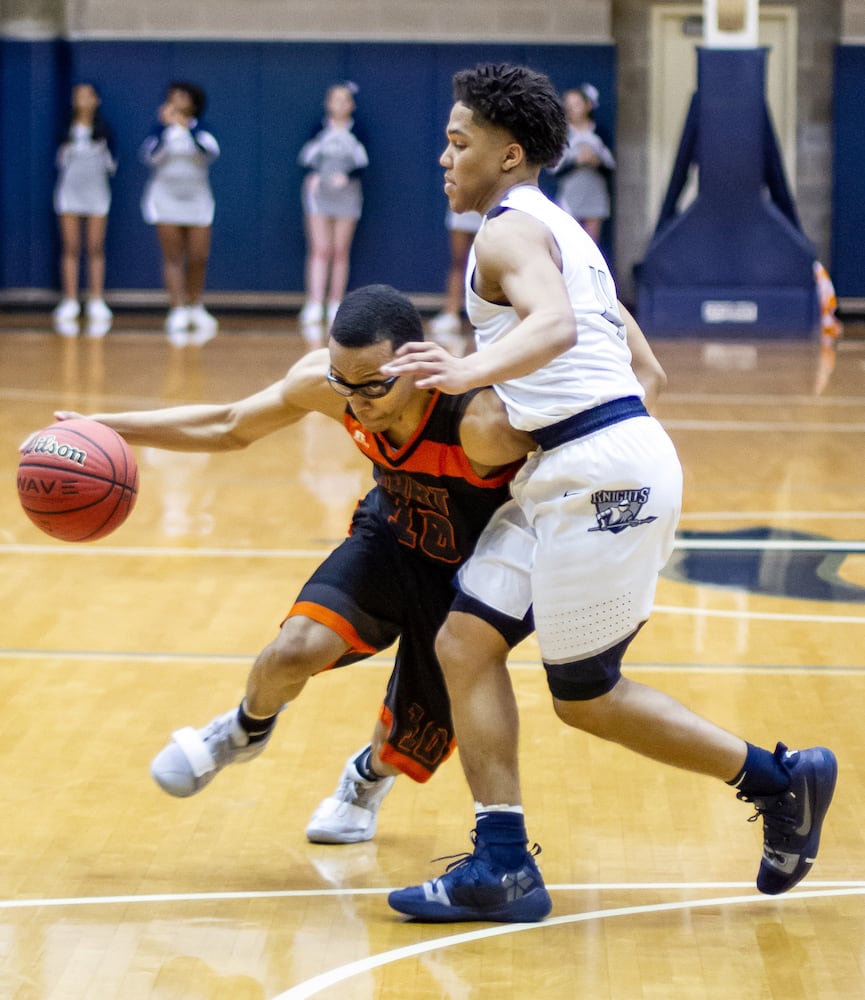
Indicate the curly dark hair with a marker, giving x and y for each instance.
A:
(373, 313)
(196, 95)
(520, 100)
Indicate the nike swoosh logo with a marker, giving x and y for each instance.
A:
(805, 827)
(435, 892)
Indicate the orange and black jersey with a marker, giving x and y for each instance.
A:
(427, 490)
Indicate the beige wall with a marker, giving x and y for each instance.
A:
(853, 21)
(31, 18)
(529, 20)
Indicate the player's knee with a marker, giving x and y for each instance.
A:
(584, 691)
(593, 715)
(295, 652)
(449, 647)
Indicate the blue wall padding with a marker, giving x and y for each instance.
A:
(265, 101)
(733, 243)
(848, 189)
(32, 85)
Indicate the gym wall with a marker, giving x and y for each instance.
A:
(264, 102)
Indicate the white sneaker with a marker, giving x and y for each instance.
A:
(444, 324)
(332, 308)
(65, 318)
(194, 757)
(350, 815)
(312, 313)
(204, 325)
(177, 326)
(99, 318)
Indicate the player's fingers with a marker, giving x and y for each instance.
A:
(415, 347)
(417, 369)
(427, 382)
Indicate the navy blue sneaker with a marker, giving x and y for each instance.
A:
(792, 820)
(472, 888)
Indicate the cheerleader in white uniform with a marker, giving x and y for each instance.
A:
(582, 189)
(178, 200)
(332, 203)
(83, 196)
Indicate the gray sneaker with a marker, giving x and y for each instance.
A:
(350, 815)
(194, 756)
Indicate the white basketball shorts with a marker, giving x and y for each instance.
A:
(590, 526)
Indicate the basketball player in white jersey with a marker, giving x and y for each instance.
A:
(590, 525)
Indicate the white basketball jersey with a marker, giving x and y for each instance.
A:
(598, 367)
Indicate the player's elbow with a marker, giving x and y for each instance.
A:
(235, 437)
(231, 433)
(232, 441)
(562, 332)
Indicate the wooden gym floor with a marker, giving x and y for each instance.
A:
(111, 889)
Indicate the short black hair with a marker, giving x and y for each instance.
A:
(195, 93)
(520, 100)
(374, 313)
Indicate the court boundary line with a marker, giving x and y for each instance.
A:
(760, 426)
(316, 984)
(219, 552)
(381, 660)
(846, 885)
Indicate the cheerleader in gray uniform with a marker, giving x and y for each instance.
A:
(178, 200)
(83, 195)
(582, 184)
(332, 202)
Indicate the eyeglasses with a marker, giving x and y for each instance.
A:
(369, 390)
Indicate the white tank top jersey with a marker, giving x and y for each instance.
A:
(598, 367)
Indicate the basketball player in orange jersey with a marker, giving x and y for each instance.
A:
(391, 579)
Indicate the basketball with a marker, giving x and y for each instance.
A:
(77, 480)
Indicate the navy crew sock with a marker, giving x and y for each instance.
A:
(501, 836)
(763, 774)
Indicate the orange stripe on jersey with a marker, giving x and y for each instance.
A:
(450, 460)
(408, 765)
(336, 623)
(424, 455)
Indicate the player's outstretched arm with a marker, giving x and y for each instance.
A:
(230, 426)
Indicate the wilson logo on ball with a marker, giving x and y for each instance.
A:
(47, 444)
(77, 480)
